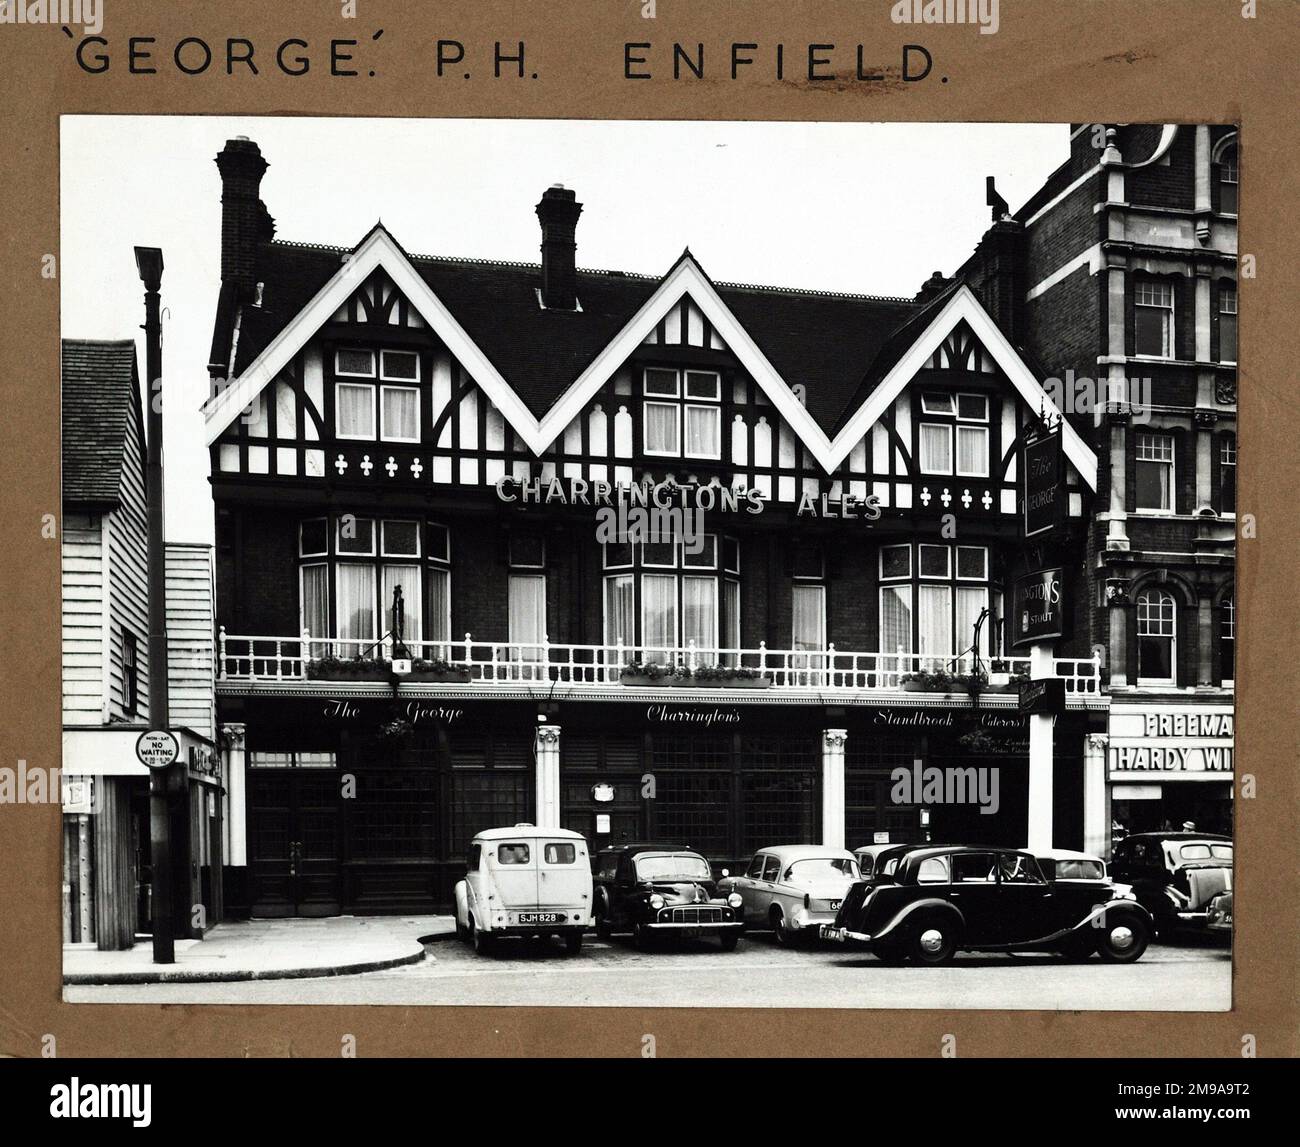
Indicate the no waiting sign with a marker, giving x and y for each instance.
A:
(157, 748)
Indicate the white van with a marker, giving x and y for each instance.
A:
(525, 881)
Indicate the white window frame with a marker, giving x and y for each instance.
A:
(888, 588)
(716, 396)
(980, 418)
(683, 434)
(820, 589)
(432, 568)
(384, 552)
(445, 556)
(374, 413)
(383, 429)
(606, 582)
(1172, 638)
(383, 374)
(1228, 621)
(1171, 462)
(341, 373)
(948, 410)
(676, 408)
(1237, 336)
(970, 428)
(921, 575)
(880, 557)
(1170, 309)
(520, 565)
(374, 537)
(645, 382)
(302, 553)
(957, 574)
(517, 647)
(1224, 167)
(947, 428)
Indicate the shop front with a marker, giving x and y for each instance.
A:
(1170, 765)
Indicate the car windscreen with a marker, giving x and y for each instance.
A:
(1072, 869)
(678, 864)
(822, 868)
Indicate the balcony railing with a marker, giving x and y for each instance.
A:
(247, 658)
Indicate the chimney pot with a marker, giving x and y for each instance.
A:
(558, 213)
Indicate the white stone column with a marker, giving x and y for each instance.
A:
(833, 787)
(235, 766)
(546, 755)
(1040, 758)
(1096, 821)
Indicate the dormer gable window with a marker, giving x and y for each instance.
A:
(377, 394)
(682, 413)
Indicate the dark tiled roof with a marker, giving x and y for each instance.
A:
(826, 341)
(100, 397)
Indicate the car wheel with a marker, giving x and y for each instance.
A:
(729, 941)
(573, 943)
(784, 936)
(603, 930)
(932, 941)
(1123, 940)
(483, 943)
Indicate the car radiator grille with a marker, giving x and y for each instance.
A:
(697, 915)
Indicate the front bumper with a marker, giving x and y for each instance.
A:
(714, 927)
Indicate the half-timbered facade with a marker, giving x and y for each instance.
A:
(432, 479)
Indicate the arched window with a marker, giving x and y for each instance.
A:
(1157, 637)
(1227, 639)
(1226, 178)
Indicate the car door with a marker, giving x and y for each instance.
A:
(1025, 900)
(513, 865)
(563, 875)
(974, 891)
(747, 886)
(765, 889)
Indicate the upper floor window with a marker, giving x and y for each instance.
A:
(960, 444)
(931, 598)
(130, 674)
(682, 413)
(1155, 473)
(1157, 637)
(1227, 640)
(1228, 181)
(1153, 318)
(388, 405)
(1227, 322)
(1228, 474)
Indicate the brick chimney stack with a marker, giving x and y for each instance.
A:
(245, 221)
(558, 213)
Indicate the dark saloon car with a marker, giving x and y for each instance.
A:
(1175, 875)
(662, 890)
(944, 898)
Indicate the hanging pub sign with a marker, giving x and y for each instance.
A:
(1038, 607)
(1044, 696)
(1043, 491)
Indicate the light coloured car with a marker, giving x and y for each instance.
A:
(793, 889)
(1067, 865)
(525, 881)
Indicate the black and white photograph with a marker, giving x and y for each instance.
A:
(682, 564)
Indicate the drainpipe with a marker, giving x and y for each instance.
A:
(149, 262)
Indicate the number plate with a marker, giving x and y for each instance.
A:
(540, 917)
(835, 905)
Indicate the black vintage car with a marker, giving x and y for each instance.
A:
(662, 890)
(943, 898)
(1175, 875)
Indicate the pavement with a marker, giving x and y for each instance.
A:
(267, 950)
(1192, 975)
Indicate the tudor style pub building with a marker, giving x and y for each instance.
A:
(428, 625)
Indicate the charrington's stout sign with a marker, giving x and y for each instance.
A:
(1038, 607)
(1043, 483)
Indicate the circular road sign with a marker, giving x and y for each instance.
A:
(157, 748)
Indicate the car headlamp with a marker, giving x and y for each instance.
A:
(656, 901)
(734, 900)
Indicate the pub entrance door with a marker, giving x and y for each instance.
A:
(294, 827)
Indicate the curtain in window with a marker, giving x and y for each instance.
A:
(527, 616)
(731, 619)
(437, 622)
(934, 622)
(315, 616)
(400, 412)
(936, 449)
(355, 410)
(808, 629)
(970, 602)
(700, 614)
(658, 615)
(896, 620)
(704, 431)
(408, 577)
(620, 614)
(661, 428)
(973, 450)
(356, 606)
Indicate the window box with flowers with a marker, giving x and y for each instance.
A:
(637, 673)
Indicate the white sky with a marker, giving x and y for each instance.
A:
(871, 208)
